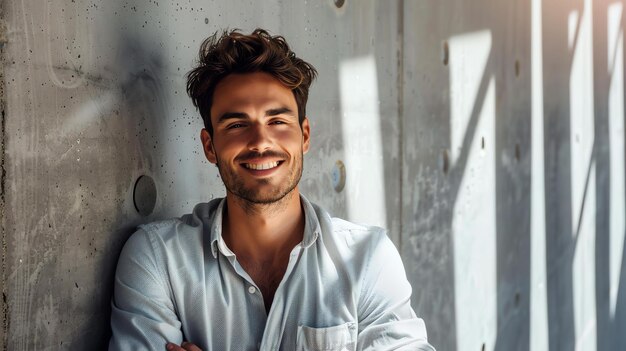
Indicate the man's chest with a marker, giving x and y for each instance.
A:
(267, 278)
(228, 305)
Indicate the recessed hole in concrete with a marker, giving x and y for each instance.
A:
(483, 347)
(144, 195)
(482, 143)
(339, 3)
(445, 53)
(517, 153)
(517, 68)
(517, 299)
(445, 162)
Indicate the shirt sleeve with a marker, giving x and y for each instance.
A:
(143, 316)
(386, 319)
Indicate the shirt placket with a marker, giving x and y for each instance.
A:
(252, 294)
(275, 324)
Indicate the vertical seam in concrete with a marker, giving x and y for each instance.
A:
(400, 87)
(5, 309)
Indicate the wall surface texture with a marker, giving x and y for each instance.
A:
(487, 136)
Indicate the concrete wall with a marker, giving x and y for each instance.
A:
(488, 137)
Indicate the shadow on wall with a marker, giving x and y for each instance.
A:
(609, 161)
(470, 226)
(85, 132)
(467, 212)
(142, 117)
(561, 236)
(481, 208)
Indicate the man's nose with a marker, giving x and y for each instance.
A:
(260, 139)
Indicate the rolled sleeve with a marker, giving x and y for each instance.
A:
(143, 315)
(386, 319)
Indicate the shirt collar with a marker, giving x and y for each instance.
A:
(312, 228)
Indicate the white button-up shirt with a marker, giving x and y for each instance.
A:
(344, 289)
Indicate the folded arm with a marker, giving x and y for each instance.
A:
(143, 315)
(386, 319)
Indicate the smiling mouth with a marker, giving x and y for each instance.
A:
(262, 166)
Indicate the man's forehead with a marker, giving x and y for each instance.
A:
(259, 90)
(251, 78)
(254, 104)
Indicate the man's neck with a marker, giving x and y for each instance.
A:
(263, 232)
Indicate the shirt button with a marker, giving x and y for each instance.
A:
(252, 290)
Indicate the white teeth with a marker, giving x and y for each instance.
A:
(261, 166)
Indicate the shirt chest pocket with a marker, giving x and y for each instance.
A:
(338, 338)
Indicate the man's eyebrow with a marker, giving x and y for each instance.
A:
(231, 115)
(279, 111)
(242, 115)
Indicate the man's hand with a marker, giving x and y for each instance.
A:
(186, 346)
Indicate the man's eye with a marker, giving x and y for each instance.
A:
(235, 125)
(277, 122)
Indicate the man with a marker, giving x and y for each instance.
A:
(263, 268)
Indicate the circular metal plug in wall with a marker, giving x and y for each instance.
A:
(144, 195)
(338, 176)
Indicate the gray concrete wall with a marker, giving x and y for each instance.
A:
(488, 137)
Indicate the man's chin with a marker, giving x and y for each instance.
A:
(262, 199)
(259, 197)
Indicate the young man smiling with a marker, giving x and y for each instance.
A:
(263, 268)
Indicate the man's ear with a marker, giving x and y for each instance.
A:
(207, 146)
(306, 135)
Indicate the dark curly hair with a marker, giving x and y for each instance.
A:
(234, 52)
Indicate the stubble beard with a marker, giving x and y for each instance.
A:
(253, 197)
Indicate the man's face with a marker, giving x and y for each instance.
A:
(257, 140)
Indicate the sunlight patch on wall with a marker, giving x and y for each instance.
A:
(474, 216)
(365, 183)
(583, 176)
(538, 280)
(468, 58)
(617, 210)
(583, 273)
(581, 113)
